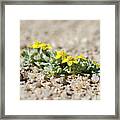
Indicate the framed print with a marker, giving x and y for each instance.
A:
(60, 59)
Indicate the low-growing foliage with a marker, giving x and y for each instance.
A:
(57, 63)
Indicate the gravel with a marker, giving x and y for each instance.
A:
(76, 87)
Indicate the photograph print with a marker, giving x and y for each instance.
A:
(59, 60)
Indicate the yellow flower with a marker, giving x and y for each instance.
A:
(41, 45)
(36, 44)
(70, 60)
(44, 46)
(61, 54)
(81, 56)
(97, 64)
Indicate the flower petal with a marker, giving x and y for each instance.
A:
(64, 60)
(76, 62)
(57, 56)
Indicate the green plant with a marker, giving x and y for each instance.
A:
(57, 63)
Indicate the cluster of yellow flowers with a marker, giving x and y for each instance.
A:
(70, 60)
(67, 58)
(41, 45)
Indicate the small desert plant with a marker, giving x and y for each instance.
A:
(57, 63)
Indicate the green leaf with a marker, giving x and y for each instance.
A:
(45, 58)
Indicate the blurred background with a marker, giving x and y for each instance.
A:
(74, 36)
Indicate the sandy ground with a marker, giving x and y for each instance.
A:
(73, 36)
